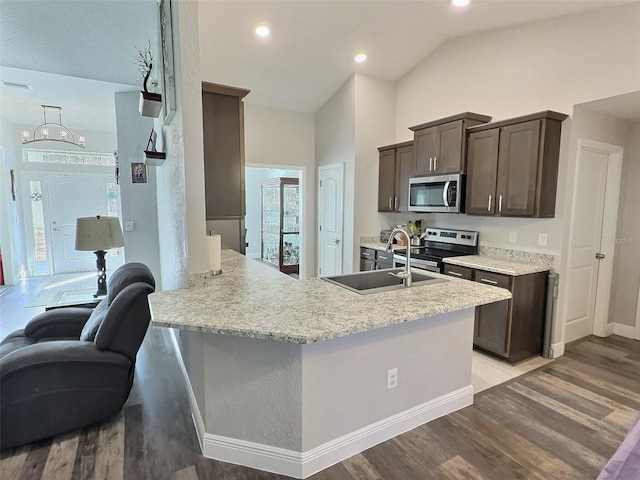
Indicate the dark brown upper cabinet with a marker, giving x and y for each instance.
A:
(395, 168)
(512, 166)
(223, 129)
(440, 145)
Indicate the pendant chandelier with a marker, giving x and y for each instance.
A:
(47, 131)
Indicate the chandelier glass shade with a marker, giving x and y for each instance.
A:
(52, 131)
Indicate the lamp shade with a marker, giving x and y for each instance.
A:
(98, 233)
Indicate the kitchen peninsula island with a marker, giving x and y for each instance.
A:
(292, 376)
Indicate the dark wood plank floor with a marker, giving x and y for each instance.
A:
(563, 420)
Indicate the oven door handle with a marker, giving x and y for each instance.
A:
(445, 193)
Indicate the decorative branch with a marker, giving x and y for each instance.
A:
(144, 60)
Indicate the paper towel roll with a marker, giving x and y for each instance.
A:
(213, 252)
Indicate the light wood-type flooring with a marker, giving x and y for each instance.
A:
(561, 421)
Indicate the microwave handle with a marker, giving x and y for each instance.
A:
(445, 193)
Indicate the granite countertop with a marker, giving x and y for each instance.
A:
(251, 299)
(374, 245)
(497, 265)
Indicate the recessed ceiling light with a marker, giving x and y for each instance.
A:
(361, 57)
(262, 30)
(460, 3)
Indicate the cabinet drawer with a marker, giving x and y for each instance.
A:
(384, 257)
(368, 253)
(458, 272)
(495, 279)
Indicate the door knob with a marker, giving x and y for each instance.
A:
(600, 256)
(336, 240)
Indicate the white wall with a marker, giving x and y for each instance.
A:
(181, 207)
(626, 263)
(552, 64)
(138, 201)
(11, 241)
(374, 119)
(334, 144)
(282, 139)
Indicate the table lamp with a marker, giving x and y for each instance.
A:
(99, 234)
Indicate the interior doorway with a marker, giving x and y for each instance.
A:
(273, 235)
(51, 202)
(592, 239)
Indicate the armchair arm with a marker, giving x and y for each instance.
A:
(63, 365)
(58, 323)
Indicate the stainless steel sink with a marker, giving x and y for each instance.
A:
(375, 281)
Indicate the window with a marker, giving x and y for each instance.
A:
(33, 155)
(39, 235)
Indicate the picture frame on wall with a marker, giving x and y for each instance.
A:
(139, 173)
(166, 50)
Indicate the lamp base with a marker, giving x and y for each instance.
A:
(101, 266)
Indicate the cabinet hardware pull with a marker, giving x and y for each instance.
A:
(395, 203)
(435, 163)
(486, 280)
(500, 204)
(489, 204)
(430, 164)
(366, 254)
(455, 274)
(383, 257)
(390, 204)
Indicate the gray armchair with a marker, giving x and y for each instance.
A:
(71, 367)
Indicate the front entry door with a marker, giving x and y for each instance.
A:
(70, 197)
(330, 194)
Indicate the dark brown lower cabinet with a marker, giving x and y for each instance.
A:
(511, 329)
(372, 259)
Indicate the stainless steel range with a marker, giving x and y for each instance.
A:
(439, 243)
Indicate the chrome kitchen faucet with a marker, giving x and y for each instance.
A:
(406, 274)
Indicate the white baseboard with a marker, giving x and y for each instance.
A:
(557, 349)
(195, 411)
(304, 464)
(624, 330)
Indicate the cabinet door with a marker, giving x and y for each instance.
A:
(223, 156)
(518, 168)
(482, 170)
(387, 181)
(384, 260)
(492, 330)
(449, 142)
(404, 166)
(425, 144)
(367, 265)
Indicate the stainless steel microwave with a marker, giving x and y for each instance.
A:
(438, 194)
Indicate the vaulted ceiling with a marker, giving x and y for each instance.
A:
(77, 53)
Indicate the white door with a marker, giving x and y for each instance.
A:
(591, 245)
(330, 194)
(70, 197)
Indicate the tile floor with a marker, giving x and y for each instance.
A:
(486, 371)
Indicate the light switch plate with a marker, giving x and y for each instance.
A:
(129, 226)
(543, 239)
(513, 237)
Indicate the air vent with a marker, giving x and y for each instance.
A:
(17, 85)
